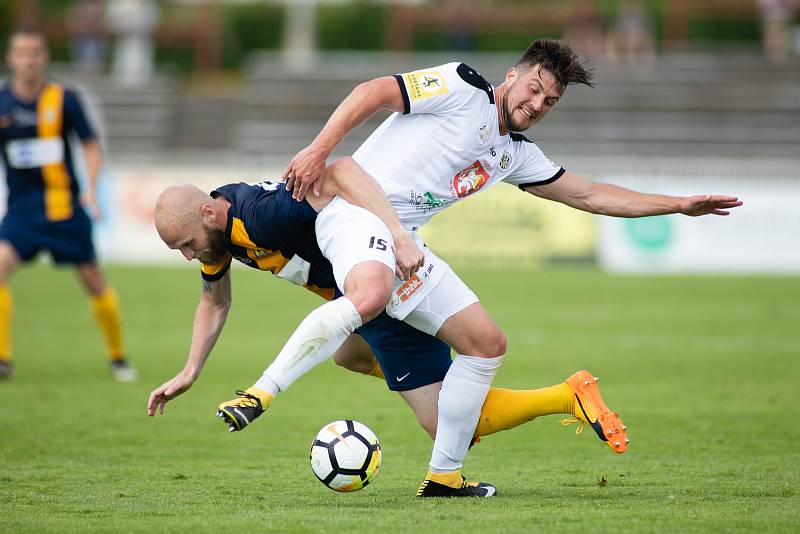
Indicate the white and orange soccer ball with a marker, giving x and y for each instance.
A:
(345, 455)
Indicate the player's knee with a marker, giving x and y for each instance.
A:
(370, 303)
(492, 344)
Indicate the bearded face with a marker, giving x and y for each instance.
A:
(531, 94)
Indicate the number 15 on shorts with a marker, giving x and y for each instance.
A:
(377, 243)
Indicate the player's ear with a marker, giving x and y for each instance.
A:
(512, 74)
(207, 213)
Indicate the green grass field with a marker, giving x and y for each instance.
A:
(704, 371)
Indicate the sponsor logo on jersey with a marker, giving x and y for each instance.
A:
(426, 201)
(505, 161)
(483, 134)
(260, 252)
(425, 84)
(245, 260)
(469, 180)
(410, 287)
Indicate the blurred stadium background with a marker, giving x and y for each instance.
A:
(691, 97)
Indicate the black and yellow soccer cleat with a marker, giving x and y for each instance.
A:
(430, 488)
(241, 411)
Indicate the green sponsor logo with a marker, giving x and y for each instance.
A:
(650, 233)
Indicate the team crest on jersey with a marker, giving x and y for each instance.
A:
(425, 84)
(483, 134)
(469, 180)
(505, 161)
(260, 252)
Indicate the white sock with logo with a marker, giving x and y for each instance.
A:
(463, 392)
(320, 334)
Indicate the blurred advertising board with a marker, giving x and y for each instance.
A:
(762, 236)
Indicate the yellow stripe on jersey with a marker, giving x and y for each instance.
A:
(267, 260)
(212, 269)
(49, 116)
(324, 292)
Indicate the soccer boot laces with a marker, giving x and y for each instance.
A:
(241, 411)
(590, 409)
(430, 488)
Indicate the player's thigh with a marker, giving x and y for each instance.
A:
(452, 312)
(424, 401)
(348, 236)
(9, 260)
(91, 277)
(472, 332)
(355, 355)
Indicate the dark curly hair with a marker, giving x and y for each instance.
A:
(558, 58)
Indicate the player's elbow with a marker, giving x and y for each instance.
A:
(339, 170)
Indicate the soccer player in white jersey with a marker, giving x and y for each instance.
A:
(452, 135)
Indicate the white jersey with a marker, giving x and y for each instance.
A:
(446, 145)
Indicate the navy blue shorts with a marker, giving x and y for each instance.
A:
(408, 357)
(69, 241)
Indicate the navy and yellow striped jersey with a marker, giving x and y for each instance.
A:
(33, 141)
(270, 231)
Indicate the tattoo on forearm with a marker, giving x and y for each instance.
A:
(206, 286)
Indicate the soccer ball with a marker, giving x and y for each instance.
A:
(345, 455)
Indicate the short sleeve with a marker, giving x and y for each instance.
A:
(440, 90)
(532, 166)
(212, 273)
(75, 117)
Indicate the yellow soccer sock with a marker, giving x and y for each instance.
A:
(452, 479)
(377, 371)
(507, 408)
(6, 313)
(265, 397)
(106, 312)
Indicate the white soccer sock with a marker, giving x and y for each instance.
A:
(320, 334)
(463, 392)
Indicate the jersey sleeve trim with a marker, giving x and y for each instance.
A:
(555, 177)
(404, 92)
(212, 273)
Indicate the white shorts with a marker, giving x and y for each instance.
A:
(448, 297)
(348, 235)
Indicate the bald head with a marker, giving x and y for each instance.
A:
(193, 222)
(179, 211)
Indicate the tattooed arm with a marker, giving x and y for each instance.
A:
(209, 318)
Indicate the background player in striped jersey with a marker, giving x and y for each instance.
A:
(452, 135)
(46, 209)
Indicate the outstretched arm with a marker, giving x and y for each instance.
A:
(345, 178)
(306, 168)
(608, 199)
(209, 318)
